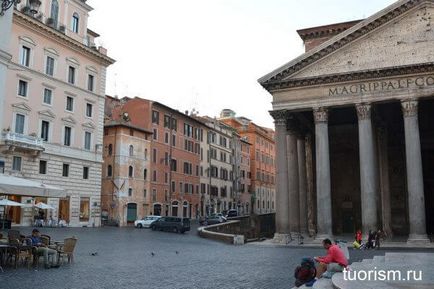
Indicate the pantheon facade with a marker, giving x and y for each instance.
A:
(354, 120)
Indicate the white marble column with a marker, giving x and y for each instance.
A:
(292, 157)
(302, 183)
(282, 215)
(416, 196)
(311, 198)
(368, 172)
(386, 213)
(323, 184)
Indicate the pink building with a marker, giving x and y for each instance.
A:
(53, 109)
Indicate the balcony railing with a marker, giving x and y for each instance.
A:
(26, 140)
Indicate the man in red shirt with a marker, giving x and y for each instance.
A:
(335, 260)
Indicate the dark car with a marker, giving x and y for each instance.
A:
(232, 213)
(172, 224)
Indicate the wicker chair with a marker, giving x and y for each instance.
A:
(67, 249)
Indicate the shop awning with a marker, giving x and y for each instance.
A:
(11, 185)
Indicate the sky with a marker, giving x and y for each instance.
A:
(207, 55)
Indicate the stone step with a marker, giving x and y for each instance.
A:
(323, 283)
(378, 260)
(367, 261)
(338, 282)
(409, 258)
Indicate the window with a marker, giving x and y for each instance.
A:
(69, 103)
(84, 209)
(49, 66)
(173, 164)
(65, 170)
(90, 82)
(87, 140)
(85, 173)
(174, 140)
(154, 156)
(131, 150)
(16, 164)
(48, 96)
(166, 158)
(89, 110)
(2, 167)
(154, 176)
(25, 56)
(130, 171)
(109, 171)
(166, 178)
(144, 193)
(173, 186)
(75, 21)
(22, 88)
(130, 192)
(166, 137)
(155, 134)
(19, 123)
(145, 174)
(110, 149)
(54, 12)
(71, 75)
(155, 117)
(45, 129)
(67, 136)
(167, 121)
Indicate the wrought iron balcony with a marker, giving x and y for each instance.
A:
(19, 142)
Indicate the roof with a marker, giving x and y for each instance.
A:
(326, 30)
(114, 123)
(273, 79)
(178, 112)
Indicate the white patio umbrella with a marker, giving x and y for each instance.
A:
(4, 203)
(44, 206)
(25, 187)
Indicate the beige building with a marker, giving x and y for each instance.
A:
(125, 195)
(354, 127)
(53, 108)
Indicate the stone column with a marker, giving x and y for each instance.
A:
(323, 185)
(302, 183)
(311, 200)
(386, 214)
(292, 157)
(416, 197)
(282, 197)
(368, 176)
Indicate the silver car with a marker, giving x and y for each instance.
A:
(146, 222)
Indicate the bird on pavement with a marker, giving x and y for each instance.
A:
(176, 252)
(152, 253)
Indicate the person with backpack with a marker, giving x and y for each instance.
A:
(335, 261)
(305, 273)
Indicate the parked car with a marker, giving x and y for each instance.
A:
(146, 222)
(215, 219)
(232, 213)
(172, 224)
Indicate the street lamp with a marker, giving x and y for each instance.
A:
(6, 4)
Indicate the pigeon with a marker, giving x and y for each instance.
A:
(152, 253)
(176, 252)
(94, 254)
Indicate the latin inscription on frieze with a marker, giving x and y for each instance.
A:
(382, 86)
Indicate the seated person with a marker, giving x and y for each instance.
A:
(41, 249)
(335, 260)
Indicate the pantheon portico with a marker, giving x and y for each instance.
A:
(354, 120)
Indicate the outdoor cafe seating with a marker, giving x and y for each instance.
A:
(17, 250)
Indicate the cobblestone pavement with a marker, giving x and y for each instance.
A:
(124, 261)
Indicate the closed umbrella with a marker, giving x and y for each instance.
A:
(44, 206)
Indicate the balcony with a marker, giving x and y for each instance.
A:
(10, 142)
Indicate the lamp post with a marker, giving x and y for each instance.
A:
(6, 4)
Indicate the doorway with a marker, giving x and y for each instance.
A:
(131, 212)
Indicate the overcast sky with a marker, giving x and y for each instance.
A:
(208, 54)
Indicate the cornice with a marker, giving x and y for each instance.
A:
(338, 42)
(40, 27)
(352, 76)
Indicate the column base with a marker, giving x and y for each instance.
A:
(416, 239)
(282, 238)
(319, 238)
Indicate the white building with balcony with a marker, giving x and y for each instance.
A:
(52, 108)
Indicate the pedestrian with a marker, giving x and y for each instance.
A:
(371, 239)
(335, 261)
(359, 237)
(305, 273)
(378, 235)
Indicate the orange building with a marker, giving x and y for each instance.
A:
(174, 153)
(262, 158)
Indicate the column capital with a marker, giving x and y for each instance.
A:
(363, 110)
(280, 116)
(409, 107)
(321, 114)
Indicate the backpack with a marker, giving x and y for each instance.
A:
(305, 272)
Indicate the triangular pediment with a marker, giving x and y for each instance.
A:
(21, 106)
(47, 113)
(69, 119)
(400, 35)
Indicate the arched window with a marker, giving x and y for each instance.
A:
(109, 171)
(75, 22)
(130, 171)
(54, 12)
(145, 174)
(110, 149)
(131, 150)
